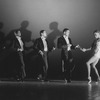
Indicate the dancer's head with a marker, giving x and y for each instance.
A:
(66, 32)
(96, 34)
(17, 33)
(43, 33)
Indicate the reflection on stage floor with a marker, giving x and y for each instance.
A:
(52, 90)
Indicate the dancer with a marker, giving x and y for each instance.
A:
(18, 45)
(95, 55)
(65, 44)
(41, 47)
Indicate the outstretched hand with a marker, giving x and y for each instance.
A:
(78, 46)
(82, 49)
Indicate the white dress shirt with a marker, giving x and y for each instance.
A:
(68, 43)
(44, 43)
(20, 42)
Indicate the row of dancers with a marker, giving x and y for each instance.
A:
(64, 42)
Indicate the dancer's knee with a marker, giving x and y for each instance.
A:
(87, 63)
(93, 65)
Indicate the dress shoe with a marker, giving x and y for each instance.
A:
(65, 81)
(18, 79)
(39, 77)
(68, 81)
(46, 80)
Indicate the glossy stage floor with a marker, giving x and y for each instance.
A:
(52, 90)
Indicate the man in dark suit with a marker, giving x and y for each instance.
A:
(65, 44)
(42, 48)
(17, 46)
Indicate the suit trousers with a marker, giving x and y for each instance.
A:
(22, 68)
(45, 65)
(68, 60)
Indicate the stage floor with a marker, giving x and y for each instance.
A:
(53, 90)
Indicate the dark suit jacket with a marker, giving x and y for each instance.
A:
(61, 44)
(16, 44)
(38, 45)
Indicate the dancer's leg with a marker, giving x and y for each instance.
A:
(94, 67)
(90, 61)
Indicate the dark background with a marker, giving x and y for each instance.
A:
(82, 17)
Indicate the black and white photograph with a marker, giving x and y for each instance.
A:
(50, 49)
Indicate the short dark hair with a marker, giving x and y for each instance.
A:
(41, 32)
(65, 29)
(16, 31)
(95, 31)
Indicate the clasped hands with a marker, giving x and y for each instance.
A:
(82, 49)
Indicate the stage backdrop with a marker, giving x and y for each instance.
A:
(82, 17)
